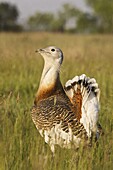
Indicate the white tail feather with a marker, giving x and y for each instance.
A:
(90, 100)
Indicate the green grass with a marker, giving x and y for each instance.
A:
(21, 146)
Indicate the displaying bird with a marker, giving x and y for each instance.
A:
(65, 116)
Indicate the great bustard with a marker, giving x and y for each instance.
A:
(65, 116)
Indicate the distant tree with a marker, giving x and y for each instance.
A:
(57, 25)
(67, 13)
(41, 21)
(8, 17)
(86, 23)
(51, 22)
(103, 9)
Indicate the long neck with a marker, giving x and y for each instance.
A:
(50, 74)
(50, 81)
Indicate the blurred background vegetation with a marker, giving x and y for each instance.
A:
(69, 18)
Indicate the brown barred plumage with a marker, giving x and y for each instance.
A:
(47, 113)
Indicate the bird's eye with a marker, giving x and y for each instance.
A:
(52, 49)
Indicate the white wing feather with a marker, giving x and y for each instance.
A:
(90, 100)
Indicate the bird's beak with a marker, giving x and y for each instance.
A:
(39, 50)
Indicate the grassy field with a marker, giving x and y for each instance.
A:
(21, 147)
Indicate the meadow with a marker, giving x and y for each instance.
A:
(21, 146)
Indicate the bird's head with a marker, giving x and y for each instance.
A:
(51, 54)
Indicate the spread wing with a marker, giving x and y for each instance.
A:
(84, 93)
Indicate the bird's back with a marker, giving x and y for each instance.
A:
(56, 121)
